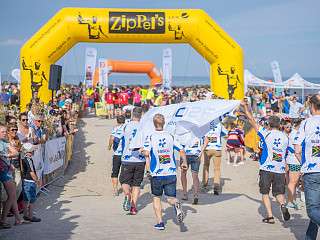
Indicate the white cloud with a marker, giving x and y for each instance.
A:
(11, 42)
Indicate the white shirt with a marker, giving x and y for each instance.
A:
(161, 146)
(274, 148)
(194, 149)
(130, 155)
(308, 137)
(291, 158)
(214, 136)
(294, 109)
(117, 132)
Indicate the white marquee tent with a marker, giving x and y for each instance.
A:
(296, 81)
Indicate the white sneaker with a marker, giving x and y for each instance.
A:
(241, 163)
(235, 165)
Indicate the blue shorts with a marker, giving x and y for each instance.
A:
(166, 184)
(194, 162)
(29, 191)
(5, 176)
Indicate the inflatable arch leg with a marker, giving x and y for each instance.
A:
(72, 25)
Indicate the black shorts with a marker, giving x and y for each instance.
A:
(270, 179)
(132, 174)
(116, 164)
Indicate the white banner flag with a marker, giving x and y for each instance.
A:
(167, 68)
(55, 151)
(90, 65)
(37, 159)
(103, 72)
(16, 74)
(276, 72)
(182, 119)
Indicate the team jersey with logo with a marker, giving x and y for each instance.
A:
(130, 155)
(194, 149)
(109, 98)
(161, 146)
(291, 158)
(274, 149)
(308, 137)
(214, 136)
(117, 132)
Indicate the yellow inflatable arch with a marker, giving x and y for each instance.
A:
(72, 25)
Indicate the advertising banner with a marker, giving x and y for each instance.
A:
(38, 160)
(55, 151)
(90, 65)
(167, 68)
(186, 120)
(103, 72)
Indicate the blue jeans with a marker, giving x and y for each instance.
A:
(166, 184)
(312, 193)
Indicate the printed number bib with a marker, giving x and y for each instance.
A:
(212, 138)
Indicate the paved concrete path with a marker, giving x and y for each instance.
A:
(81, 206)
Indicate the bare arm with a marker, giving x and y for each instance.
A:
(251, 119)
(110, 142)
(297, 152)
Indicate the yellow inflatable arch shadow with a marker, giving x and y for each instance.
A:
(72, 25)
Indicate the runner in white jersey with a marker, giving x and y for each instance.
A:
(193, 152)
(272, 164)
(307, 149)
(293, 164)
(159, 151)
(115, 143)
(212, 152)
(133, 164)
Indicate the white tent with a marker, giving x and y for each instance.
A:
(252, 80)
(296, 81)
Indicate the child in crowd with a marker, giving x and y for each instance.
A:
(235, 145)
(30, 182)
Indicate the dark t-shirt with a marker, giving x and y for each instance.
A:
(27, 167)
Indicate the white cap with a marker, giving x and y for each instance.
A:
(28, 147)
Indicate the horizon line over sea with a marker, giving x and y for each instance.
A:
(143, 79)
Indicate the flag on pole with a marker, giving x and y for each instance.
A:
(167, 68)
(103, 72)
(90, 65)
(276, 71)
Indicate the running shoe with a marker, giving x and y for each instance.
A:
(195, 200)
(133, 210)
(179, 212)
(126, 204)
(185, 197)
(159, 226)
(290, 205)
(285, 213)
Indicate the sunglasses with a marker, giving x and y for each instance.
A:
(14, 130)
(40, 121)
(24, 119)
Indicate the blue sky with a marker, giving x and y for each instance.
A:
(283, 30)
